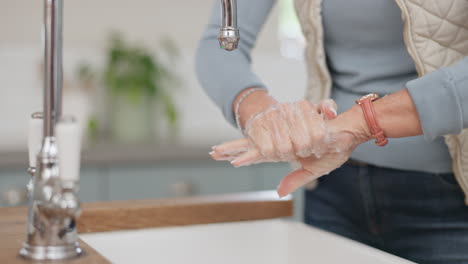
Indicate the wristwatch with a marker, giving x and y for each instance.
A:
(367, 106)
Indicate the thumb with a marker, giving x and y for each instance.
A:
(328, 109)
(294, 181)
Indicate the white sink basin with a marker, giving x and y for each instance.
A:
(259, 242)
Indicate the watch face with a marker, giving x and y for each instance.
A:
(372, 96)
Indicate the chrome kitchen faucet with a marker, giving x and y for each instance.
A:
(54, 148)
(54, 159)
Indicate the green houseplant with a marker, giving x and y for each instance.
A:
(139, 87)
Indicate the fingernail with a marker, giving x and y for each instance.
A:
(213, 147)
(278, 188)
(277, 191)
(279, 195)
(211, 153)
(233, 163)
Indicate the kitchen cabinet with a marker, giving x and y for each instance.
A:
(141, 182)
(93, 184)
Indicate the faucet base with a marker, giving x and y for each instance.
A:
(51, 252)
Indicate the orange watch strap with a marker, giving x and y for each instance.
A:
(370, 116)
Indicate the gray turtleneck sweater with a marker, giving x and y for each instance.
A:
(365, 53)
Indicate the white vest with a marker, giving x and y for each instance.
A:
(435, 34)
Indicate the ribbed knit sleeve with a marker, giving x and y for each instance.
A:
(441, 99)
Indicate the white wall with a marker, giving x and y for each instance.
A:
(87, 23)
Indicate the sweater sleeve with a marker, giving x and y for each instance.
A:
(223, 74)
(441, 99)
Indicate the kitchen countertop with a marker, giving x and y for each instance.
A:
(274, 241)
(113, 154)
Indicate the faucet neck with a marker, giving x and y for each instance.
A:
(52, 36)
(229, 9)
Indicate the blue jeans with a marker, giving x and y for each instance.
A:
(417, 216)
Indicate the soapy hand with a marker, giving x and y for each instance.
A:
(320, 146)
(339, 150)
(282, 132)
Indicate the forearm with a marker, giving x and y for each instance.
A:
(222, 74)
(433, 105)
(396, 114)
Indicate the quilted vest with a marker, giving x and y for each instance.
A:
(435, 34)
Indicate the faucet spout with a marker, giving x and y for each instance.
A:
(229, 33)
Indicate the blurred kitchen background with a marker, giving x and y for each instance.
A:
(129, 79)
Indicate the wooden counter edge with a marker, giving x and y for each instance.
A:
(125, 215)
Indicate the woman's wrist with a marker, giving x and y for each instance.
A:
(396, 114)
(351, 122)
(257, 100)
